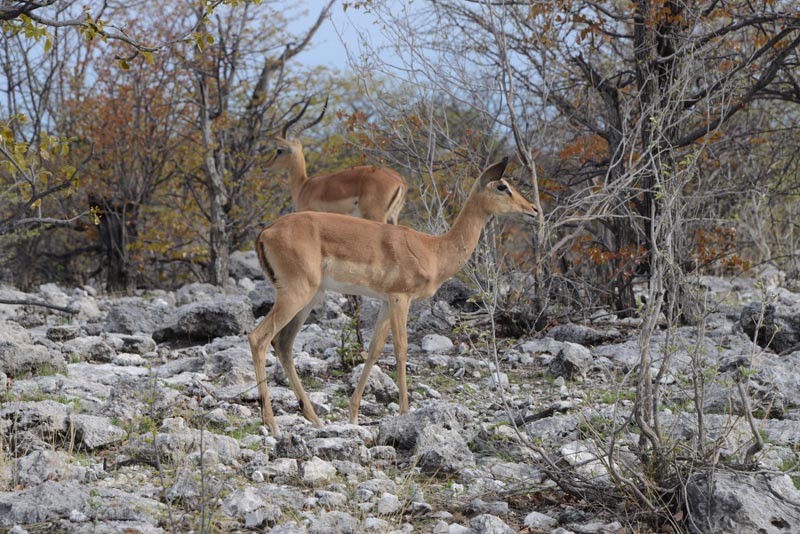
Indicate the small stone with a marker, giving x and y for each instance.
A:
(375, 524)
(538, 520)
(497, 381)
(257, 476)
(489, 524)
(389, 504)
(76, 516)
(316, 471)
(479, 506)
(436, 343)
(63, 332)
(129, 360)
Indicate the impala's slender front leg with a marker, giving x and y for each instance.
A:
(399, 322)
(375, 346)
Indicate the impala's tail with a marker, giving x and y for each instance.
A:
(262, 258)
(396, 204)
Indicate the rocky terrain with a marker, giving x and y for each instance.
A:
(139, 414)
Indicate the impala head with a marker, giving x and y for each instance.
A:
(496, 196)
(288, 150)
(283, 154)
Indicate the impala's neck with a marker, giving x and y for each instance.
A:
(297, 174)
(457, 245)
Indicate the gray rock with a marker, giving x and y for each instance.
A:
(43, 465)
(489, 524)
(585, 458)
(46, 417)
(457, 294)
(290, 527)
(554, 430)
(542, 346)
(63, 332)
(346, 430)
(725, 501)
(53, 294)
(250, 505)
(432, 316)
(331, 499)
(375, 524)
(205, 320)
(197, 292)
(572, 361)
(47, 501)
(131, 343)
(93, 432)
(334, 522)
(19, 356)
(50, 500)
(582, 335)
(436, 343)
(88, 349)
(498, 508)
(597, 527)
(233, 365)
(316, 471)
(125, 359)
(133, 397)
(307, 365)
(536, 520)
(379, 384)
(175, 440)
(339, 449)
(244, 264)
(135, 315)
(291, 446)
(440, 450)
(378, 485)
(280, 470)
(626, 355)
(262, 298)
(383, 453)
(497, 381)
(389, 504)
(191, 491)
(778, 324)
(401, 431)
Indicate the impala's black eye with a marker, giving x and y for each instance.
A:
(502, 188)
(279, 151)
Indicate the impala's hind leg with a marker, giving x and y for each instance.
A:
(286, 308)
(282, 343)
(375, 346)
(399, 323)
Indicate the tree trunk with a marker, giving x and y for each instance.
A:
(117, 229)
(219, 246)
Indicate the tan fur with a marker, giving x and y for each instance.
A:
(374, 193)
(310, 252)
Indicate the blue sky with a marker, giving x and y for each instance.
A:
(337, 36)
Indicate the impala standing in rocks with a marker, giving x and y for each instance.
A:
(369, 192)
(303, 254)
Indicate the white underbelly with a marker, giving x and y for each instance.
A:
(345, 288)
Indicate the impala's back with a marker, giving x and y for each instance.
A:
(374, 193)
(348, 255)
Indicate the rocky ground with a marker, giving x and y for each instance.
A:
(139, 415)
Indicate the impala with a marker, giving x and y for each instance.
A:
(374, 193)
(303, 254)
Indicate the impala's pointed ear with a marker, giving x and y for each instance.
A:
(493, 172)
